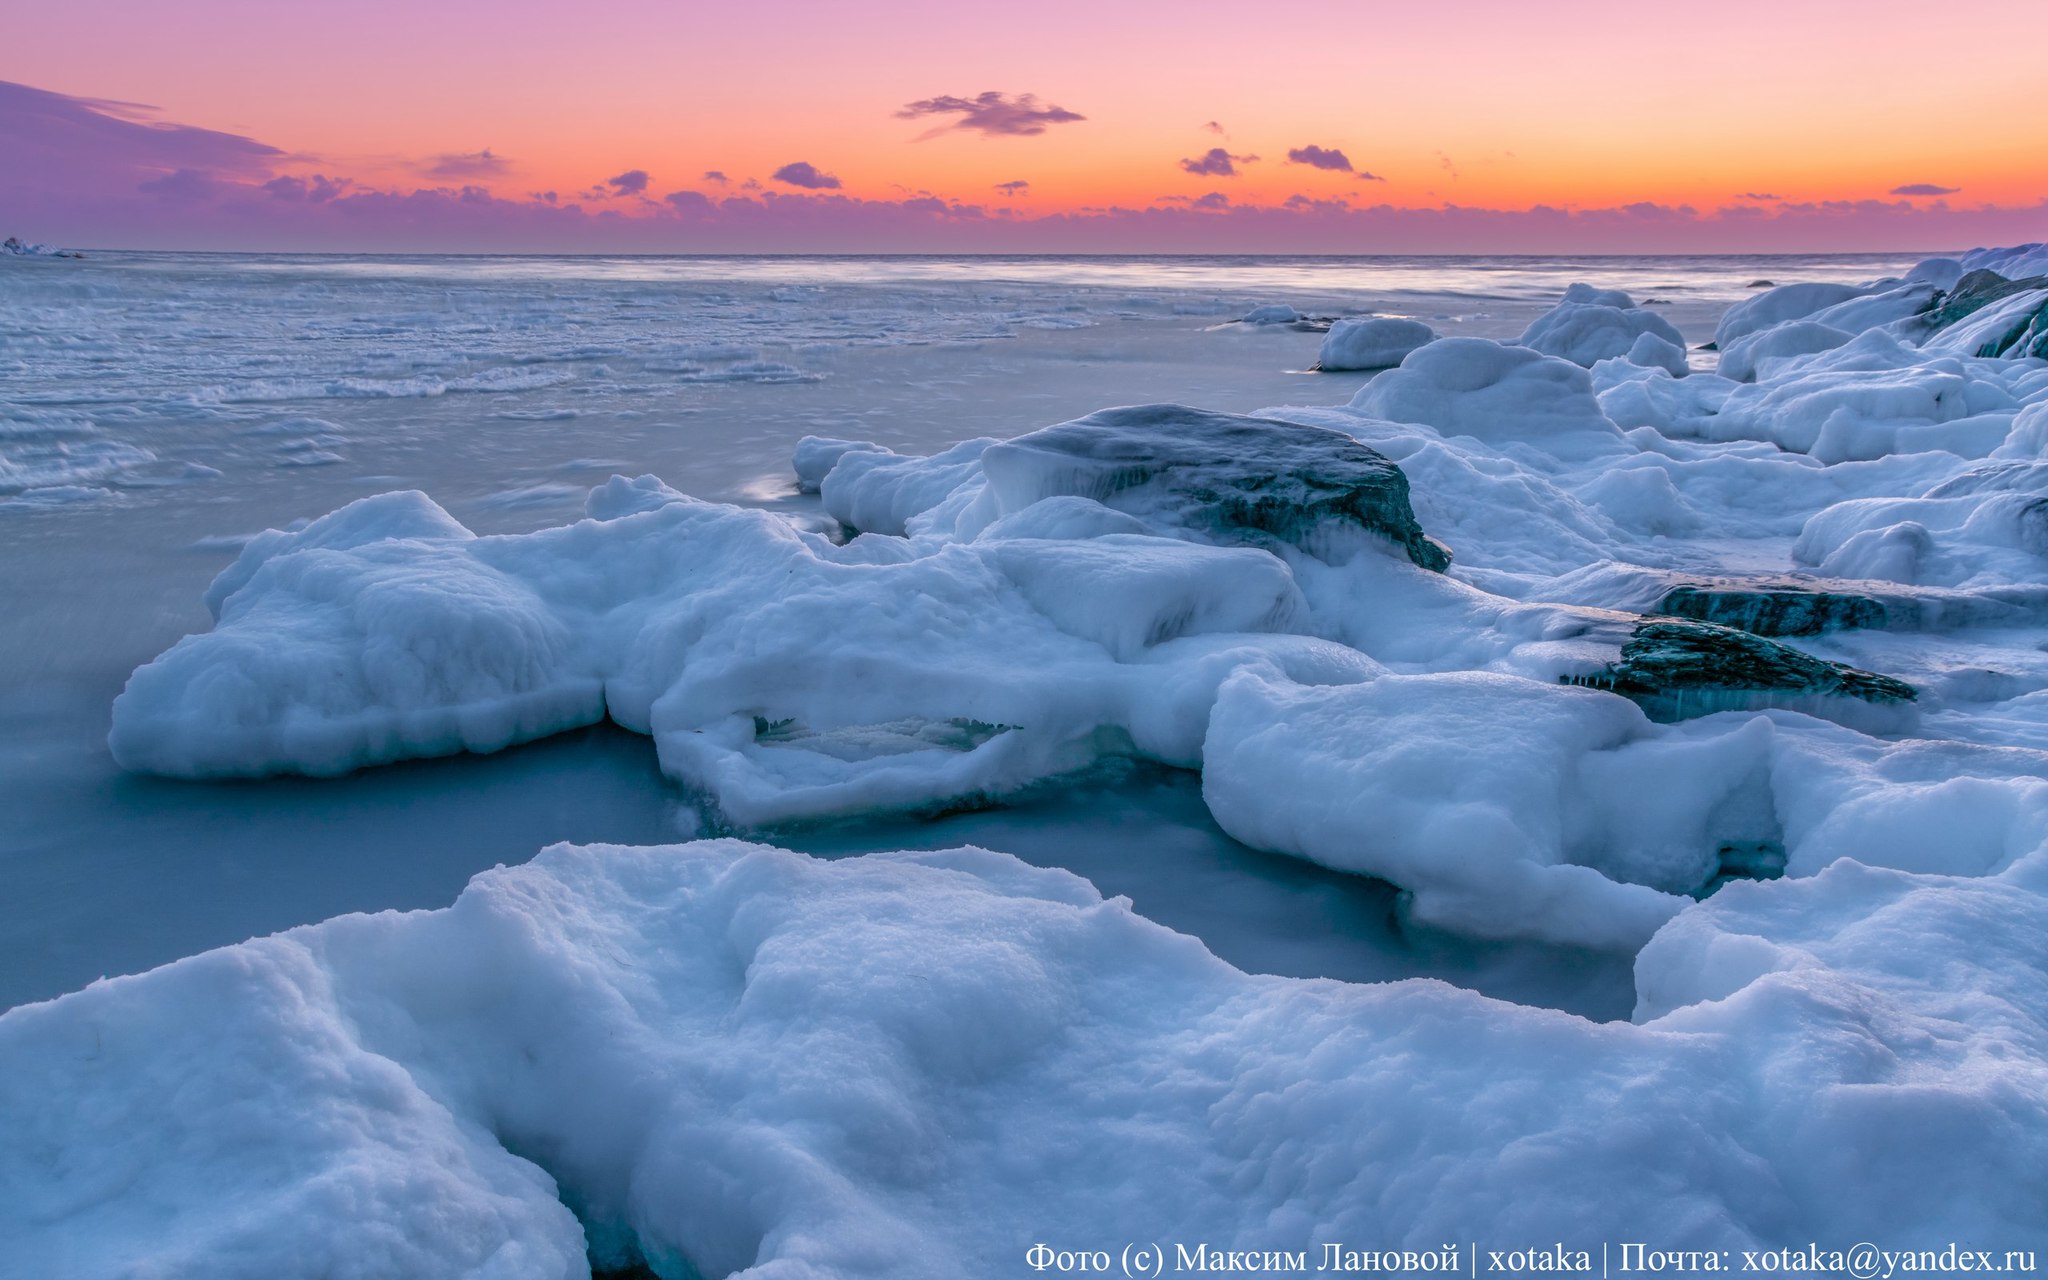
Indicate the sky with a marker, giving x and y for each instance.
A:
(1482, 126)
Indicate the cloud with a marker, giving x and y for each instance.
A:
(1218, 129)
(54, 147)
(467, 164)
(1321, 158)
(716, 177)
(1924, 189)
(184, 184)
(318, 188)
(81, 175)
(1216, 163)
(990, 114)
(803, 174)
(1761, 195)
(1363, 176)
(1016, 188)
(630, 183)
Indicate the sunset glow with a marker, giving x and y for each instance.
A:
(1742, 127)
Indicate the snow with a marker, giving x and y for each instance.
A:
(892, 674)
(1735, 673)
(2017, 262)
(1590, 325)
(1272, 313)
(1371, 342)
(731, 1058)
(1494, 393)
(1743, 359)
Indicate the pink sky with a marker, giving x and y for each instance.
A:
(1578, 126)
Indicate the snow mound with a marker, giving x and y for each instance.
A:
(1590, 325)
(725, 1059)
(1775, 306)
(1743, 359)
(1497, 394)
(1373, 342)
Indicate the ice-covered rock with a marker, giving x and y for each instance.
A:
(1676, 668)
(1784, 302)
(1371, 342)
(1988, 315)
(1743, 359)
(14, 246)
(882, 492)
(783, 676)
(1469, 790)
(1272, 313)
(1218, 475)
(1942, 273)
(1868, 398)
(1590, 325)
(1962, 539)
(1783, 608)
(1498, 394)
(815, 456)
(2014, 262)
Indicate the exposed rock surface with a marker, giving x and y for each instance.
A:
(1237, 478)
(1667, 659)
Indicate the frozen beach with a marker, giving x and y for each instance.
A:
(1448, 753)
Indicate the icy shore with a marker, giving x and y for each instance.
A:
(1738, 670)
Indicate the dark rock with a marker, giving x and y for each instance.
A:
(2027, 335)
(1774, 610)
(1974, 292)
(1762, 284)
(1708, 346)
(1673, 667)
(1234, 478)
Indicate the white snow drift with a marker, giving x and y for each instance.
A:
(729, 1059)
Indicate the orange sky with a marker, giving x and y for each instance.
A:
(1575, 103)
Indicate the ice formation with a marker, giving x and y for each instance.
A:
(1004, 612)
(1590, 325)
(722, 1058)
(1372, 342)
(15, 246)
(1740, 669)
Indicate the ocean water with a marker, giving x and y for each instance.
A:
(156, 410)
